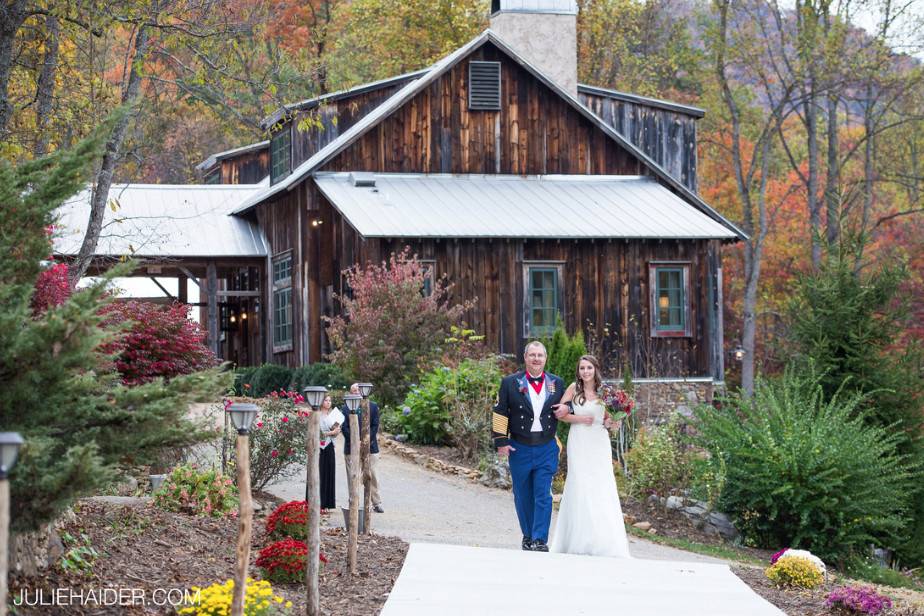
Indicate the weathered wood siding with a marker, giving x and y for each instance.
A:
(667, 137)
(534, 132)
(248, 168)
(605, 290)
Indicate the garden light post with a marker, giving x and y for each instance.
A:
(10, 442)
(365, 389)
(242, 415)
(314, 396)
(352, 402)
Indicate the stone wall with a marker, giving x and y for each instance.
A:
(658, 400)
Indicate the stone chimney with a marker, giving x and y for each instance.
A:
(544, 33)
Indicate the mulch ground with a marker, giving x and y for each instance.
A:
(449, 455)
(142, 547)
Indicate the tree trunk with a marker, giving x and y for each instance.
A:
(869, 154)
(111, 154)
(832, 187)
(12, 16)
(44, 91)
(814, 207)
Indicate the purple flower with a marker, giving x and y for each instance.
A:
(858, 600)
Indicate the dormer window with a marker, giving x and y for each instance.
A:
(484, 86)
(280, 154)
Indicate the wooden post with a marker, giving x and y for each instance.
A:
(366, 457)
(4, 542)
(245, 516)
(312, 607)
(353, 542)
(212, 292)
(182, 289)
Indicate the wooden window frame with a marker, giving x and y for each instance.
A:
(282, 287)
(686, 329)
(528, 266)
(283, 133)
(428, 264)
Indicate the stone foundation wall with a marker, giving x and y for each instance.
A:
(658, 400)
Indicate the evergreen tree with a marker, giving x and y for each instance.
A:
(61, 391)
(846, 323)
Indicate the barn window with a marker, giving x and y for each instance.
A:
(280, 154)
(282, 302)
(484, 86)
(670, 299)
(429, 271)
(543, 299)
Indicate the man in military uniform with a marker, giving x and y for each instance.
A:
(524, 428)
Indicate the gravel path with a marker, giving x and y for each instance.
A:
(423, 506)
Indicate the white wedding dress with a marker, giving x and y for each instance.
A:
(590, 516)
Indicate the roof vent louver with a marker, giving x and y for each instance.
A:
(362, 179)
(484, 86)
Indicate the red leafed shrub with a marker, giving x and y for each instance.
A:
(160, 342)
(285, 561)
(391, 329)
(288, 520)
(51, 288)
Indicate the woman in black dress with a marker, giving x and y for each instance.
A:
(331, 420)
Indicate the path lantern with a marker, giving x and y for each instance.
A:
(242, 416)
(352, 402)
(10, 442)
(314, 395)
(365, 389)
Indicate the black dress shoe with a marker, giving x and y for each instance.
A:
(527, 544)
(540, 546)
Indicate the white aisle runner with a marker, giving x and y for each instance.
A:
(444, 580)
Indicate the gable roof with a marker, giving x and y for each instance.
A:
(647, 101)
(214, 158)
(413, 88)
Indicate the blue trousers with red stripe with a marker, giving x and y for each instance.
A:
(531, 469)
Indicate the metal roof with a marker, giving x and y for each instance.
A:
(658, 103)
(411, 89)
(164, 220)
(502, 206)
(214, 158)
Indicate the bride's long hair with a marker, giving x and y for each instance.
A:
(579, 395)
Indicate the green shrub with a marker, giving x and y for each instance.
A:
(390, 420)
(564, 353)
(657, 462)
(320, 373)
(707, 478)
(277, 440)
(244, 376)
(269, 377)
(425, 420)
(190, 490)
(805, 471)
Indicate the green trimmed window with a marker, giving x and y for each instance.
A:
(670, 299)
(282, 302)
(543, 302)
(280, 154)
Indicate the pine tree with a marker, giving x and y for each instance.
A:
(59, 390)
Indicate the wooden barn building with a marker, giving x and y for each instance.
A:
(534, 194)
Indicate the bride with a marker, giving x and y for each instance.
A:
(590, 516)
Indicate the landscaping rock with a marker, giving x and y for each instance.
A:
(694, 511)
(128, 501)
(497, 476)
(654, 500)
(642, 525)
(674, 502)
(652, 531)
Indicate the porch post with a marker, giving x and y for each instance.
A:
(212, 292)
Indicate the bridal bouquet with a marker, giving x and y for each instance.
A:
(618, 403)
